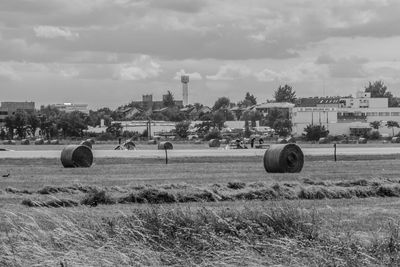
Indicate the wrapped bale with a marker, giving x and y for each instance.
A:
(39, 141)
(86, 143)
(283, 158)
(165, 145)
(54, 142)
(25, 142)
(214, 143)
(74, 156)
(46, 142)
(198, 142)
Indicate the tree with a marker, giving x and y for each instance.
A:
(273, 115)
(168, 99)
(222, 102)
(249, 100)
(283, 127)
(182, 128)
(379, 89)
(73, 123)
(285, 94)
(115, 129)
(315, 132)
(392, 124)
(33, 122)
(375, 124)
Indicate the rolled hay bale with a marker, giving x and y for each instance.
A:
(362, 140)
(283, 158)
(198, 142)
(54, 142)
(291, 140)
(46, 142)
(86, 143)
(152, 142)
(323, 140)
(74, 156)
(214, 143)
(25, 142)
(9, 142)
(165, 145)
(282, 141)
(39, 141)
(224, 141)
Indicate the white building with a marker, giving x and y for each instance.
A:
(70, 107)
(351, 116)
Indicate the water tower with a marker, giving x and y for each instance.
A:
(185, 81)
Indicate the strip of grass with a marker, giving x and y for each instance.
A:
(279, 235)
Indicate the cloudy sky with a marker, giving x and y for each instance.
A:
(110, 52)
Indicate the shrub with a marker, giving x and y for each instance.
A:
(213, 134)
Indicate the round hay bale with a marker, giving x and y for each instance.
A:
(223, 141)
(39, 141)
(9, 142)
(282, 141)
(283, 158)
(152, 142)
(129, 145)
(214, 143)
(54, 142)
(323, 140)
(74, 156)
(165, 145)
(291, 140)
(86, 143)
(25, 142)
(198, 142)
(362, 140)
(46, 142)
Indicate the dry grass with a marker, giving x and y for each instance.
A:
(176, 236)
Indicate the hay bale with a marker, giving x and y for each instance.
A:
(86, 143)
(283, 158)
(91, 140)
(9, 142)
(198, 142)
(224, 141)
(25, 142)
(73, 156)
(165, 145)
(54, 142)
(323, 140)
(282, 141)
(214, 143)
(46, 142)
(39, 141)
(362, 140)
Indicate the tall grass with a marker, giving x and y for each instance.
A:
(178, 236)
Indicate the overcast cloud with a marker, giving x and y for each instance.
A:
(109, 52)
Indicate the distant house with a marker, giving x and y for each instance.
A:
(129, 112)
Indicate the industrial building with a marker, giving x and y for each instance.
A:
(348, 116)
(70, 107)
(9, 108)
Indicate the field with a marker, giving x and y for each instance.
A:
(203, 211)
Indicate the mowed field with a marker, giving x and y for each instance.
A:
(207, 211)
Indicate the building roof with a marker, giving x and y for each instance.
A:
(275, 105)
(314, 101)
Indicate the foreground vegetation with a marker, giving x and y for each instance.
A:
(183, 236)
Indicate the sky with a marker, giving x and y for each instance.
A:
(107, 53)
